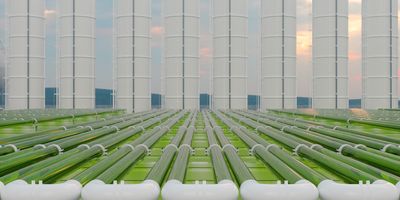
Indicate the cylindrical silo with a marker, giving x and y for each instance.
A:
(230, 19)
(380, 53)
(25, 54)
(330, 54)
(181, 53)
(76, 53)
(132, 54)
(278, 21)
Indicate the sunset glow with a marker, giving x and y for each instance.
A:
(355, 25)
(304, 42)
(157, 30)
(48, 13)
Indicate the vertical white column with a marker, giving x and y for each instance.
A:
(132, 54)
(380, 54)
(330, 54)
(76, 59)
(278, 54)
(25, 67)
(230, 31)
(181, 53)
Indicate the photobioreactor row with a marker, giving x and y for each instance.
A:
(180, 155)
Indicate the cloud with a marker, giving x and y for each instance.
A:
(49, 12)
(157, 31)
(205, 53)
(304, 7)
(355, 1)
(355, 25)
(356, 77)
(304, 42)
(354, 56)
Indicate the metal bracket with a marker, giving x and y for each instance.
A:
(84, 145)
(315, 146)
(148, 151)
(90, 127)
(187, 146)
(170, 145)
(340, 150)
(384, 149)
(233, 127)
(242, 128)
(157, 127)
(101, 147)
(129, 146)
(15, 148)
(229, 145)
(283, 128)
(258, 127)
(140, 127)
(132, 127)
(270, 146)
(360, 146)
(296, 150)
(60, 150)
(251, 151)
(207, 151)
(310, 127)
(115, 127)
(42, 146)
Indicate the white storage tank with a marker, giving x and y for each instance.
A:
(76, 53)
(181, 53)
(330, 54)
(380, 53)
(278, 87)
(230, 32)
(132, 54)
(25, 67)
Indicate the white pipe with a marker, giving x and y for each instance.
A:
(301, 190)
(1, 188)
(224, 190)
(21, 190)
(380, 189)
(98, 190)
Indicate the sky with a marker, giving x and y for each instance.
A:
(304, 44)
